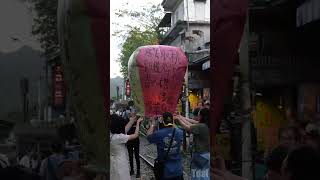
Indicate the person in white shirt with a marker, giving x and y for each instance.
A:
(25, 161)
(119, 169)
(4, 161)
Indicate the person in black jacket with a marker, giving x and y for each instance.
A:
(133, 148)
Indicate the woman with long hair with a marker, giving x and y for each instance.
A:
(200, 162)
(118, 151)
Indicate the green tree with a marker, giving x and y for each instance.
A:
(146, 32)
(45, 25)
(135, 39)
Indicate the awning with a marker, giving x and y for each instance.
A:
(165, 21)
(201, 63)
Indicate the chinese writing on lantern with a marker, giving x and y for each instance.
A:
(58, 87)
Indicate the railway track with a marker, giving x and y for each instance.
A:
(151, 164)
(148, 159)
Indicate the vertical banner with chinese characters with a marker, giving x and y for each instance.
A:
(58, 87)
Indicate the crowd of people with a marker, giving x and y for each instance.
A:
(295, 157)
(166, 132)
(59, 163)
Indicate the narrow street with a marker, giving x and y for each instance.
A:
(231, 83)
(149, 152)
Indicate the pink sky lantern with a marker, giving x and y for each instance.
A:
(156, 76)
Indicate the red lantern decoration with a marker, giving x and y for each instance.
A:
(128, 92)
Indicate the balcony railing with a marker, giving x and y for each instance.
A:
(288, 61)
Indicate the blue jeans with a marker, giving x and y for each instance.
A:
(200, 166)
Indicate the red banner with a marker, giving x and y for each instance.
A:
(58, 87)
(228, 26)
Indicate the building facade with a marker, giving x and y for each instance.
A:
(283, 65)
(186, 24)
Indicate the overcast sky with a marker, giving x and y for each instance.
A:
(16, 21)
(114, 42)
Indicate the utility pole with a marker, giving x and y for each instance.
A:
(117, 92)
(24, 85)
(186, 109)
(187, 94)
(39, 99)
(122, 92)
(46, 91)
(247, 168)
(186, 80)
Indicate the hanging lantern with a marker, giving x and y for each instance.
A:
(156, 75)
